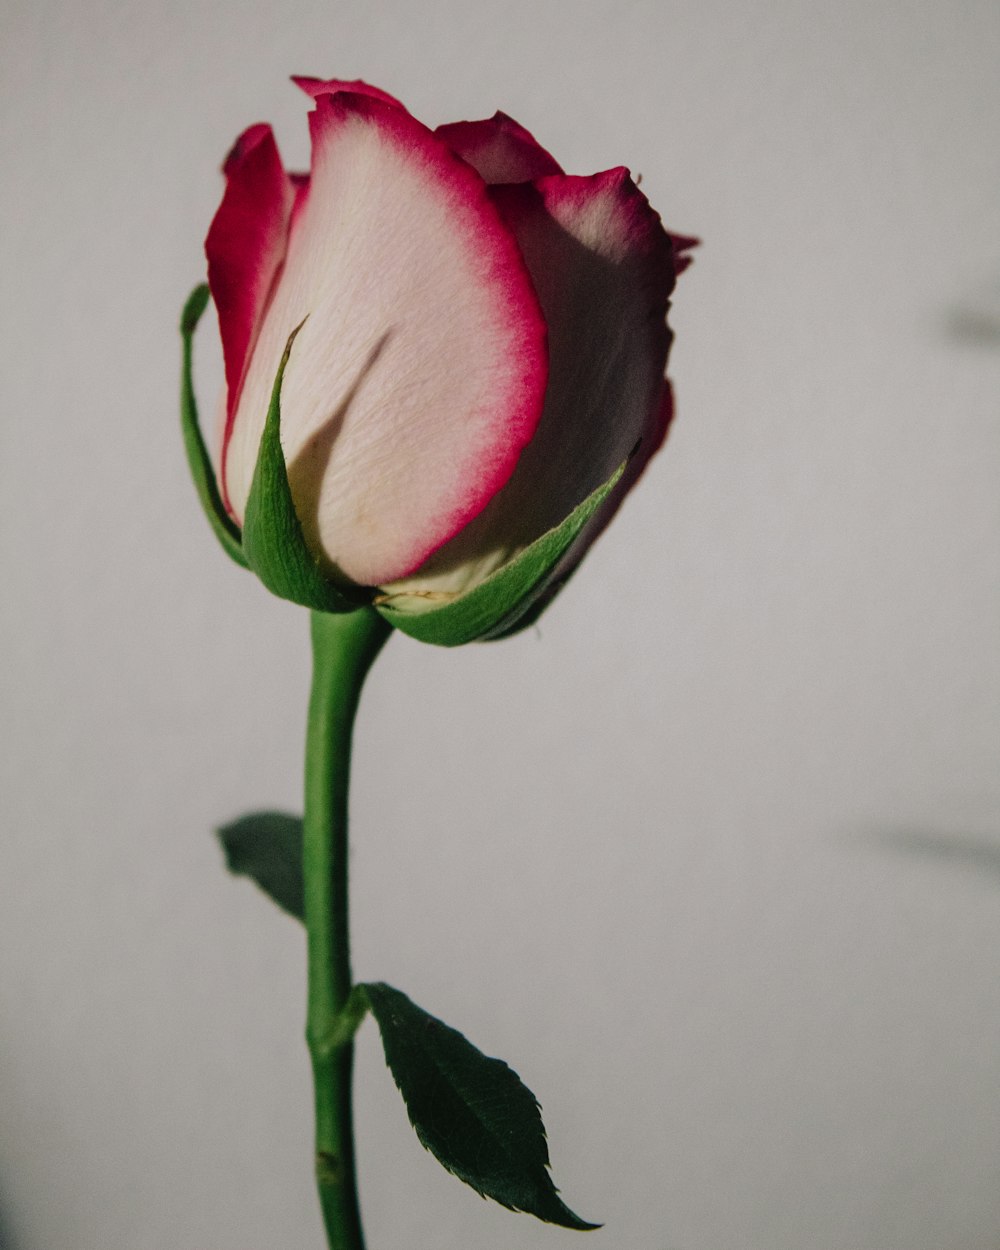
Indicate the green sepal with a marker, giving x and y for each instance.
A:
(197, 453)
(471, 1112)
(497, 604)
(533, 610)
(272, 532)
(267, 848)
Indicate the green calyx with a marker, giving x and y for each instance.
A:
(272, 532)
(197, 453)
(273, 545)
(509, 599)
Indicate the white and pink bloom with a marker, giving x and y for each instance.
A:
(484, 344)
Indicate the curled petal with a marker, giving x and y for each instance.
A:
(315, 87)
(300, 183)
(420, 373)
(499, 149)
(603, 268)
(245, 248)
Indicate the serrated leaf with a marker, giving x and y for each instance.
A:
(472, 1113)
(273, 540)
(267, 848)
(197, 454)
(496, 603)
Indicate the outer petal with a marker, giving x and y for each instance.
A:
(245, 248)
(420, 373)
(603, 267)
(499, 149)
(315, 87)
(656, 432)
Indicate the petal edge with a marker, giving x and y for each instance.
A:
(499, 149)
(421, 372)
(245, 248)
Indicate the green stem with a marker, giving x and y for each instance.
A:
(344, 648)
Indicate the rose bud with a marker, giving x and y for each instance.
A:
(444, 364)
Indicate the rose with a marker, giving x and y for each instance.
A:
(478, 374)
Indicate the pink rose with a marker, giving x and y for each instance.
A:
(480, 361)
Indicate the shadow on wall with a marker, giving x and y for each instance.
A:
(975, 320)
(6, 1238)
(974, 326)
(978, 853)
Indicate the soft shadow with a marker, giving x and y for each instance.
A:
(7, 1241)
(974, 327)
(307, 471)
(980, 854)
(974, 320)
(574, 449)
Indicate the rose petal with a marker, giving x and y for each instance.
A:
(316, 87)
(300, 183)
(661, 417)
(420, 373)
(499, 148)
(603, 268)
(245, 247)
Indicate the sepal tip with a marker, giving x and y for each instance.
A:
(273, 540)
(199, 461)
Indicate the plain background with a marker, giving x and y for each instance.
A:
(713, 856)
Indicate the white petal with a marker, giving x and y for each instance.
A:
(420, 372)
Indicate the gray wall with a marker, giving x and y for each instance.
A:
(713, 857)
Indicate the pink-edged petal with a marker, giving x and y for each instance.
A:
(499, 149)
(420, 373)
(656, 432)
(300, 185)
(315, 87)
(245, 248)
(603, 268)
(661, 416)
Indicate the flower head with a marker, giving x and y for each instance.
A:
(478, 373)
